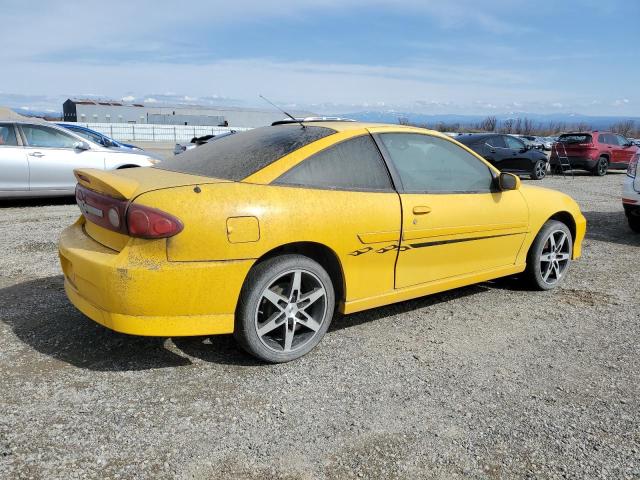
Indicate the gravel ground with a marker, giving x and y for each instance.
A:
(489, 381)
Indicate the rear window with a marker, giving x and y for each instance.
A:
(235, 157)
(575, 138)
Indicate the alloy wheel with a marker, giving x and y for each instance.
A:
(291, 311)
(555, 257)
(602, 167)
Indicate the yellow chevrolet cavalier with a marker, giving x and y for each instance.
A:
(265, 233)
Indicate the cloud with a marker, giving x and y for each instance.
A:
(620, 102)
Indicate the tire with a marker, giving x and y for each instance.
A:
(539, 170)
(548, 274)
(634, 223)
(601, 168)
(272, 327)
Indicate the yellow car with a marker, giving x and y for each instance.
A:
(265, 233)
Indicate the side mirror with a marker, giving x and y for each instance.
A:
(81, 146)
(508, 181)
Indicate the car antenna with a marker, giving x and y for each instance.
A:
(287, 114)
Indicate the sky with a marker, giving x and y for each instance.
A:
(328, 56)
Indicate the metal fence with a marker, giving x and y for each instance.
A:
(146, 132)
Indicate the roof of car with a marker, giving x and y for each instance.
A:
(343, 126)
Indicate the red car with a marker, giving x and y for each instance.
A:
(594, 151)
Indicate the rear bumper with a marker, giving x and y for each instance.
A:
(576, 162)
(138, 291)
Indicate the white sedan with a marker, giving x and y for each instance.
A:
(37, 159)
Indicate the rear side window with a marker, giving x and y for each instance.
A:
(235, 157)
(576, 138)
(496, 141)
(355, 164)
(8, 135)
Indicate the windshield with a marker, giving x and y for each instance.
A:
(235, 157)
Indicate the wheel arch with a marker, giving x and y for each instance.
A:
(319, 252)
(126, 165)
(566, 218)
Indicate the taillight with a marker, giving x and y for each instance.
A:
(124, 217)
(632, 169)
(147, 222)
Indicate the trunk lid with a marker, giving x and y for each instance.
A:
(101, 191)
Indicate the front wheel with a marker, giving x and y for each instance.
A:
(549, 256)
(285, 308)
(601, 168)
(539, 170)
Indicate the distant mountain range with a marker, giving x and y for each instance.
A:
(391, 116)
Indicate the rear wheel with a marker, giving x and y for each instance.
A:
(549, 256)
(601, 168)
(285, 308)
(634, 223)
(539, 170)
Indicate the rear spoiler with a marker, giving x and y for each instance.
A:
(107, 182)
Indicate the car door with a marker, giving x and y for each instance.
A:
(53, 156)
(623, 150)
(14, 167)
(520, 161)
(454, 223)
(609, 145)
(497, 152)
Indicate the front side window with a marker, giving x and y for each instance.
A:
(8, 135)
(622, 141)
(514, 143)
(46, 137)
(427, 164)
(354, 164)
(95, 138)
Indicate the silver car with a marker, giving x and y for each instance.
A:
(37, 159)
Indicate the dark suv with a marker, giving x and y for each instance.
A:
(507, 153)
(594, 151)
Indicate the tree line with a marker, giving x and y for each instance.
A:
(525, 126)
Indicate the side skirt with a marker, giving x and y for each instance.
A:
(421, 290)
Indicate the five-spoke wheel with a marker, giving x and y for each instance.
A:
(550, 255)
(285, 308)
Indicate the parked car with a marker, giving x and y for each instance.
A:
(268, 231)
(507, 153)
(96, 137)
(547, 142)
(532, 140)
(631, 195)
(38, 159)
(594, 151)
(197, 141)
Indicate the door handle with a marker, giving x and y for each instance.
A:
(421, 210)
(36, 154)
